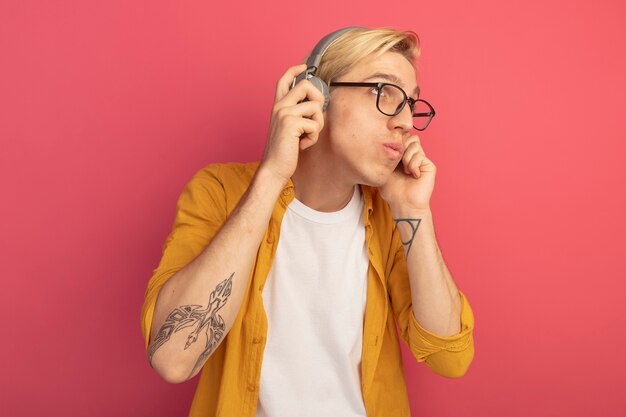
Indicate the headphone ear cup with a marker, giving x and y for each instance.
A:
(323, 87)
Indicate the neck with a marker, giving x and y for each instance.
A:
(318, 183)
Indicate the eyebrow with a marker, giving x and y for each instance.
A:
(392, 78)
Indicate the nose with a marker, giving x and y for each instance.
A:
(404, 119)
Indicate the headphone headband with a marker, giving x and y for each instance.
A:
(314, 60)
(324, 43)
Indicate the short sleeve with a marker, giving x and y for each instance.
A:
(200, 212)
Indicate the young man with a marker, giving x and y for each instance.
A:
(283, 280)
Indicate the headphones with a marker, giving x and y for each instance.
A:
(314, 60)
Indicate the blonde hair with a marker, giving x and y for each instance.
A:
(353, 46)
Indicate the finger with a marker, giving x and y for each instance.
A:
(414, 165)
(409, 153)
(412, 145)
(306, 109)
(412, 138)
(318, 116)
(309, 133)
(303, 90)
(413, 148)
(411, 162)
(284, 83)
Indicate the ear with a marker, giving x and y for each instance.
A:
(323, 87)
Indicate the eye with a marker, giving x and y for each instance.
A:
(375, 90)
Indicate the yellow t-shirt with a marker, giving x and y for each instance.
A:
(229, 381)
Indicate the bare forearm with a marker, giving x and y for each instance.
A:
(188, 303)
(436, 300)
(197, 306)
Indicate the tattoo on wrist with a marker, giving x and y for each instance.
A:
(205, 320)
(414, 223)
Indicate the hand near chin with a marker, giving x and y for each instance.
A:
(411, 184)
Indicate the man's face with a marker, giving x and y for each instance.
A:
(367, 144)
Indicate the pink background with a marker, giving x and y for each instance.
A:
(107, 108)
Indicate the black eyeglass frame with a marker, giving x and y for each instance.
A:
(412, 102)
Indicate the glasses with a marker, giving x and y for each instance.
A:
(391, 99)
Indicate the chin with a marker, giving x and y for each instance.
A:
(376, 178)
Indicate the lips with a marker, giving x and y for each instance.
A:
(394, 150)
(395, 146)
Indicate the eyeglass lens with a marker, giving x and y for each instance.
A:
(391, 98)
(422, 114)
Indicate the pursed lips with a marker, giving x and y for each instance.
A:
(397, 148)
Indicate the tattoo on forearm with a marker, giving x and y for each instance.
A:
(414, 223)
(205, 320)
